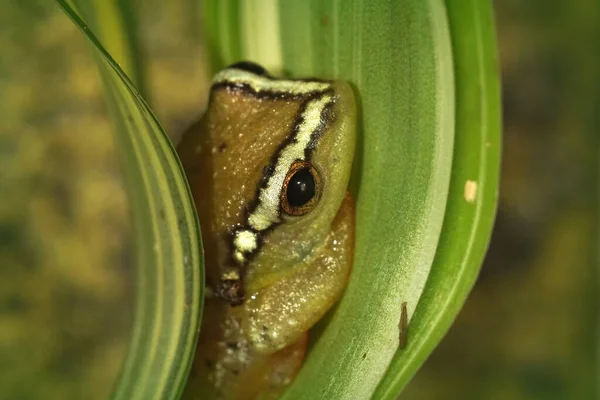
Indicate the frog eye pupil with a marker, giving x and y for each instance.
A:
(301, 188)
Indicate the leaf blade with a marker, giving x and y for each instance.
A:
(469, 220)
(398, 215)
(169, 262)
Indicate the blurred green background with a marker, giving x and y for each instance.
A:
(529, 329)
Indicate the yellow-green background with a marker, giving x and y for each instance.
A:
(528, 330)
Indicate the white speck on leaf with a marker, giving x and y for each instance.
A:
(470, 191)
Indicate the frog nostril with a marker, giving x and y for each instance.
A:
(232, 291)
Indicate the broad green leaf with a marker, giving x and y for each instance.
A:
(473, 190)
(398, 57)
(168, 247)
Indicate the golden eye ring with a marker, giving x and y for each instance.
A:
(301, 189)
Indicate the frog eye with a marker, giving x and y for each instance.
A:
(301, 189)
(249, 66)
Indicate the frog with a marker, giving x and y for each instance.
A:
(268, 166)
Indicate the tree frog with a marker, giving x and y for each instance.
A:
(268, 166)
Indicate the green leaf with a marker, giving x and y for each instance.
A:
(397, 55)
(473, 190)
(402, 175)
(399, 58)
(168, 247)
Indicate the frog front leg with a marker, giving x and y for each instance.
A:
(279, 314)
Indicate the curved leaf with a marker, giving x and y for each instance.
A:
(169, 275)
(473, 190)
(403, 75)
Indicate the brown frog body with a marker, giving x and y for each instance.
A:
(268, 166)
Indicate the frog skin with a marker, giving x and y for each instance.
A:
(268, 166)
